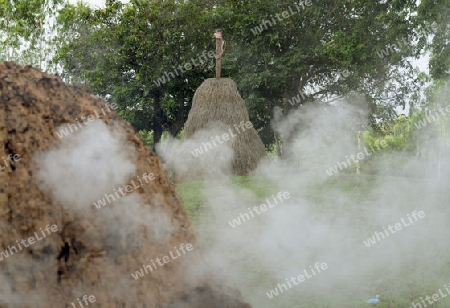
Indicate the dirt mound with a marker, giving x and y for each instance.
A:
(87, 214)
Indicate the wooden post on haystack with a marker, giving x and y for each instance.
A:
(220, 48)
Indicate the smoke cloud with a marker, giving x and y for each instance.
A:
(327, 219)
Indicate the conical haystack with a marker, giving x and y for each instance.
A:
(218, 104)
(89, 252)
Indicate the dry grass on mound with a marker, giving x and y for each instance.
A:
(218, 101)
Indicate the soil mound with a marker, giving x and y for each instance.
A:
(86, 212)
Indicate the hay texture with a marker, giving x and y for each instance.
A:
(218, 105)
(94, 251)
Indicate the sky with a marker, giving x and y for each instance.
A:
(93, 3)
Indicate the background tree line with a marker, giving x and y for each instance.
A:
(118, 52)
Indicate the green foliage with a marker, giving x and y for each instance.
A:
(398, 136)
(25, 30)
(124, 49)
(433, 20)
(147, 136)
(309, 49)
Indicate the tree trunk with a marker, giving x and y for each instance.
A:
(294, 89)
(358, 166)
(440, 151)
(181, 116)
(277, 144)
(157, 125)
(178, 125)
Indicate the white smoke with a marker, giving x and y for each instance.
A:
(325, 220)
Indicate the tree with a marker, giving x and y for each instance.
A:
(131, 52)
(281, 54)
(433, 20)
(302, 58)
(26, 29)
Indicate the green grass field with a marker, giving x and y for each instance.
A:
(421, 269)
